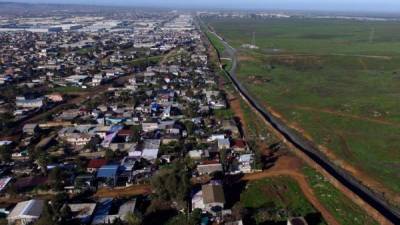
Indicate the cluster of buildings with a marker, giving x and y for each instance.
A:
(143, 118)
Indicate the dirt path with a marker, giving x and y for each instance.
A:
(140, 189)
(289, 166)
(234, 103)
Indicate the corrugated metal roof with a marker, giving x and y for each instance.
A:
(108, 171)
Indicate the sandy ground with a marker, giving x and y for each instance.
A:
(140, 189)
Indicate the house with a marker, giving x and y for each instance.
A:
(102, 213)
(97, 80)
(150, 149)
(223, 143)
(108, 175)
(215, 137)
(26, 212)
(148, 126)
(245, 162)
(78, 139)
(25, 183)
(95, 164)
(209, 167)
(82, 211)
(30, 128)
(129, 162)
(55, 97)
(210, 198)
(196, 154)
(213, 197)
(29, 103)
(76, 79)
(84, 182)
(4, 182)
(239, 145)
(230, 125)
(69, 114)
(297, 221)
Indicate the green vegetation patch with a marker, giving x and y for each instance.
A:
(275, 199)
(344, 210)
(339, 80)
(68, 89)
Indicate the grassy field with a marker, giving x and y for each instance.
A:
(344, 210)
(67, 89)
(275, 199)
(339, 81)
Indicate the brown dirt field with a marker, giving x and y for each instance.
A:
(290, 166)
(140, 189)
(234, 103)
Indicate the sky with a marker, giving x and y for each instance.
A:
(330, 5)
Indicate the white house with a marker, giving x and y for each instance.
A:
(150, 149)
(147, 127)
(26, 212)
(245, 162)
(29, 103)
(224, 143)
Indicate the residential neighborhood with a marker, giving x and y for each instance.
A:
(110, 108)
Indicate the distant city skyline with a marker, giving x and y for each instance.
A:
(327, 5)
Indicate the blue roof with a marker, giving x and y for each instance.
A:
(115, 128)
(108, 171)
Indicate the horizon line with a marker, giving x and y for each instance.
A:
(191, 8)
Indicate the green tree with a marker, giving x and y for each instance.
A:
(5, 153)
(93, 143)
(42, 161)
(136, 129)
(173, 184)
(134, 219)
(189, 125)
(47, 216)
(109, 154)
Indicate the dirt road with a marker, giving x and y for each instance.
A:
(135, 190)
(290, 166)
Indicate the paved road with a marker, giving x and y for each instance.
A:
(375, 201)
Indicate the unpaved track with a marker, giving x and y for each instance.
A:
(135, 190)
(304, 186)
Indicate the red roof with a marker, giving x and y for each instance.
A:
(27, 182)
(239, 144)
(97, 163)
(125, 132)
(209, 162)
